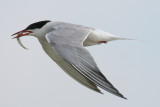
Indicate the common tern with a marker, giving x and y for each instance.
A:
(64, 43)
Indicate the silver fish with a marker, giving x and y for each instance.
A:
(19, 41)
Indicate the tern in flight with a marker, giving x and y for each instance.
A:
(64, 43)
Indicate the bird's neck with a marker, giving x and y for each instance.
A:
(43, 31)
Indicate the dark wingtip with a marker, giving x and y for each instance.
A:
(98, 91)
(101, 92)
(120, 95)
(124, 98)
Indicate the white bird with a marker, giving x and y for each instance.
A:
(65, 42)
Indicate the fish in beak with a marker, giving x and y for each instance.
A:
(20, 34)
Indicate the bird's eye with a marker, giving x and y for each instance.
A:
(34, 27)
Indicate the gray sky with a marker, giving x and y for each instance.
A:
(29, 78)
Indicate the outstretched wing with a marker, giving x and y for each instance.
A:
(67, 42)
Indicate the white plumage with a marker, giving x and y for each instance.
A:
(65, 42)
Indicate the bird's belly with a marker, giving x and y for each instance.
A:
(95, 38)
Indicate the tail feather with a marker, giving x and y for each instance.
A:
(110, 37)
(121, 38)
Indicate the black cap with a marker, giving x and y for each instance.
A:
(38, 25)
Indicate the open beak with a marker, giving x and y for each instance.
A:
(21, 33)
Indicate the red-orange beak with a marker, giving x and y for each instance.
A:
(21, 33)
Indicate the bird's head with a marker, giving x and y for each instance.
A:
(34, 29)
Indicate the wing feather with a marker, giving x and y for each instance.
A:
(68, 44)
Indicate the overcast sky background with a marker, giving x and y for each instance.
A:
(29, 78)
